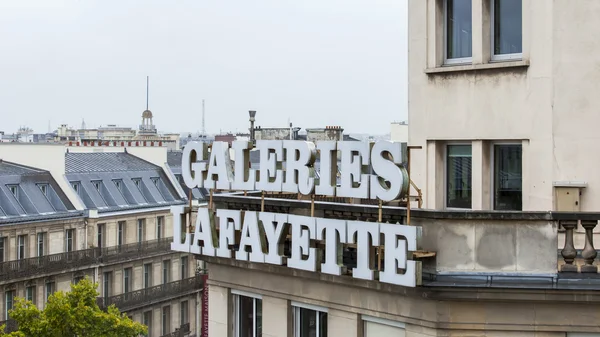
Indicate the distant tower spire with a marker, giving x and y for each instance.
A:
(82, 124)
(203, 121)
(147, 90)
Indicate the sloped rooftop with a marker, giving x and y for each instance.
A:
(31, 194)
(174, 162)
(117, 181)
(105, 162)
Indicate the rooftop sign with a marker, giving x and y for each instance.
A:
(288, 166)
(368, 170)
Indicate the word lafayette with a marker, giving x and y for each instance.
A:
(288, 166)
(262, 235)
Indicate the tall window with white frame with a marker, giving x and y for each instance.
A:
(3, 243)
(126, 280)
(21, 240)
(121, 233)
(41, 244)
(50, 287)
(248, 315)
(458, 32)
(101, 234)
(166, 271)
(9, 303)
(184, 267)
(141, 230)
(458, 176)
(184, 312)
(30, 293)
(309, 321)
(70, 240)
(160, 227)
(508, 177)
(147, 275)
(166, 320)
(148, 322)
(106, 284)
(507, 29)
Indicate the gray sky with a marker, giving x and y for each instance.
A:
(316, 62)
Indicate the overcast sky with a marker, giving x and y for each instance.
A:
(314, 62)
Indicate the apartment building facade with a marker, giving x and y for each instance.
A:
(115, 227)
(501, 100)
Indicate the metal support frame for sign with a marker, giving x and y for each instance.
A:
(410, 183)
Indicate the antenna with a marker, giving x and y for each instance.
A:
(147, 90)
(203, 121)
(49, 126)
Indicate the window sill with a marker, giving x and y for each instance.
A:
(476, 67)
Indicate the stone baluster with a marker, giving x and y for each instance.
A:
(568, 252)
(589, 252)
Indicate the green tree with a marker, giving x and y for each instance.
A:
(72, 314)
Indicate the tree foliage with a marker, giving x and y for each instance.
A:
(75, 313)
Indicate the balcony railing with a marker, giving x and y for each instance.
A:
(142, 297)
(183, 330)
(81, 258)
(11, 325)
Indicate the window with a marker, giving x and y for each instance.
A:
(118, 184)
(50, 287)
(147, 275)
(10, 301)
(76, 279)
(106, 282)
(70, 240)
(100, 235)
(121, 233)
(75, 186)
(155, 181)
(248, 316)
(458, 31)
(166, 271)
(166, 320)
(41, 239)
(97, 184)
(508, 168)
(147, 321)
(458, 176)
(141, 224)
(183, 313)
(184, 267)
(126, 280)
(160, 227)
(30, 294)
(507, 29)
(309, 321)
(14, 190)
(21, 246)
(137, 182)
(44, 189)
(3, 242)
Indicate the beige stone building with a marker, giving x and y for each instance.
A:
(501, 100)
(102, 213)
(500, 103)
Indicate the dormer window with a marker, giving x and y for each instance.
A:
(75, 186)
(97, 184)
(137, 182)
(155, 180)
(118, 184)
(44, 189)
(14, 189)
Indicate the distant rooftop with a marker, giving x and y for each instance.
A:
(105, 162)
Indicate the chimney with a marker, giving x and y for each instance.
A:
(252, 114)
